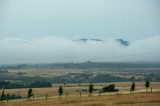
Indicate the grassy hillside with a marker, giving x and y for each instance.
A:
(140, 99)
(73, 89)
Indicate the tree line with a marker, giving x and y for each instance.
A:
(109, 88)
(36, 84)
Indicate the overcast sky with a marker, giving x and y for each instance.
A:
(42, 31)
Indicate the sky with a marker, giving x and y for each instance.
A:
(46, 31)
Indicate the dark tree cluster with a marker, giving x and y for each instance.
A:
(110, 88)
(91, 89)
(60, 91)
(9, 96)
(37, 84)
(30, 93)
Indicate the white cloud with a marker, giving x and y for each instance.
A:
(58, 49)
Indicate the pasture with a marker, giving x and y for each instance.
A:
(123, 97)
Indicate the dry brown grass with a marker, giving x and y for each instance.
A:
(140, 99)
(71, 89)
(123, 98)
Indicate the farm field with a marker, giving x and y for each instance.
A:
(78, 73)
(138, 99)
(73, 89)
(123, 98)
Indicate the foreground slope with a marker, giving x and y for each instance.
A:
(140, 99)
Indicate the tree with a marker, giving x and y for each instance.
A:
(91, 88)
(132, 87)
(7, 96)
(2, 96)
(30, 93)
(147, 84)
(60, 91)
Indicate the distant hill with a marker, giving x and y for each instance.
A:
(86, 40)
(122, 42)
(85, 65)
(119, 41)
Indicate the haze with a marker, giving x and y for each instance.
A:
(45, 31)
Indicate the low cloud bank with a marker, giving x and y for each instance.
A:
(57, 49)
